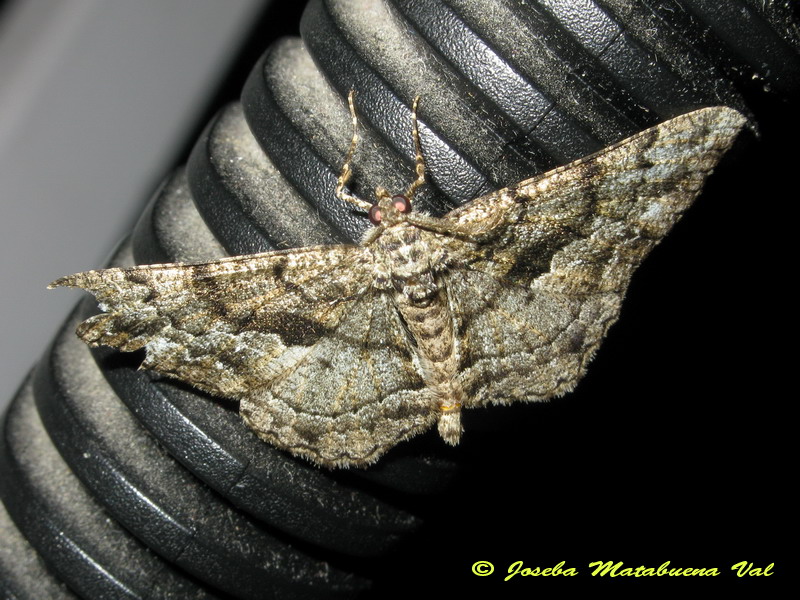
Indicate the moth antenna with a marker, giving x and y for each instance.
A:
(347, 171)
(420, 161)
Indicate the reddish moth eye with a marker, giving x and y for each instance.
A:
(401, 203)
(374, 214)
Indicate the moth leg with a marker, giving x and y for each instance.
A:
(420, 161)
(347, 170)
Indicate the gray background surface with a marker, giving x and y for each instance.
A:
(98, 99)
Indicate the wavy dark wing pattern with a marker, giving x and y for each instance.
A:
(221, 325)
(537, 292)
(350, 397)
(612, 206)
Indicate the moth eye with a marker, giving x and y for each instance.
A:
(375, 214)
(401, 203)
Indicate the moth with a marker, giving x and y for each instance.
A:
(337, 353)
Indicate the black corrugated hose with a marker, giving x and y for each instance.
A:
(119, 484)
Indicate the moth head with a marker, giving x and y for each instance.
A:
(389, 210)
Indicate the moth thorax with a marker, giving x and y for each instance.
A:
(387, 208)
(421, 288)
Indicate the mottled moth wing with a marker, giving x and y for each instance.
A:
(352, 396)
(554, 255)
(319, 364)
(220, 325)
